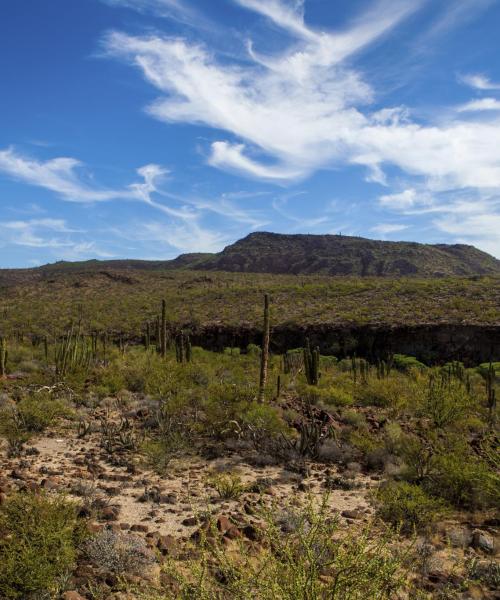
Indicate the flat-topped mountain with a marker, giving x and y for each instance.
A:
(301, 254)
(344, 255)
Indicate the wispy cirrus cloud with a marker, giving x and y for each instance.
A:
(479, 81)
(52, 235)
(68, 178)
(480, 105)
(304, 109)
(180, 10)
(384, 229)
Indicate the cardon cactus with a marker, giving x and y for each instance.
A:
(3, 357)
(311, 364)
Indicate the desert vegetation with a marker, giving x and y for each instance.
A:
(150, 468)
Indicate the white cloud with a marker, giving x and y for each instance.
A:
(66, 177)
(36, 233)
(479, 229)
(179, 10)
(399, 201)
(387, 228)
(479, 105)
(304, 109)
(479, 82)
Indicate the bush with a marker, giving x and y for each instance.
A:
(228, 485)
(446, 401)
(38, 538)
(407, 506)
(119, 552)
(407, 363)
(463, 480)
(303, 555)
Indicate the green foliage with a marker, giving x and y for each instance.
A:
(229, 486)
(446, 401)
(407, 506)
(304, 555)
(32, 414)
(38, 539)
(463, 479)
(406, 363)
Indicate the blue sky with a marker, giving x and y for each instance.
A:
(148, 128)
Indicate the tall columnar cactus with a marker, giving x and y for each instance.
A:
(163, 332)
(182, 348)
(311, 364)
(189, 349)
(264, 356)
(4, 354)
(157, 334)
(147, 336)
(490, 390)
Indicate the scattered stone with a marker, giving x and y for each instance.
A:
(482, 541)
(352, 514)
(72, 595)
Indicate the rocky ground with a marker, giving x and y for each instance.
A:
(117, 492)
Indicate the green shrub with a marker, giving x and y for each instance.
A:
(390, 392)
(405, 363)
(445, 402)
(32, 414)
(463, 480)
(228, 485)
(38, 538)
(407, 506)
(304, 555)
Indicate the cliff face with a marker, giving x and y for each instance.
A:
(431, 344)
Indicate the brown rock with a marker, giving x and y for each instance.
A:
(168, 545)
(223, 524)
(72, 595)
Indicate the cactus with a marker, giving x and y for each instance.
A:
(292, 362)
(147, 337)
(163, 331)
(264, 356)
(189, 350)
(311, 363)
(157, 334)
(72, 352)
(4, 354)
(490, 390)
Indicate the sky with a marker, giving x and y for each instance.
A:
(148, 128)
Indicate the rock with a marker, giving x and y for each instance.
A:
(72, 595)
(110, 513)
(190, 521)
(50, 483)
(482, 541)
(167, 545)
(252, 532)
(18, 474)
(223, 524)
(140, 527)
(233, 532)
(459, 537)
(352, 514)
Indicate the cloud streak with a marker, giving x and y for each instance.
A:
(303, 109)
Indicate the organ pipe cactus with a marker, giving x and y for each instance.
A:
(311, 363)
